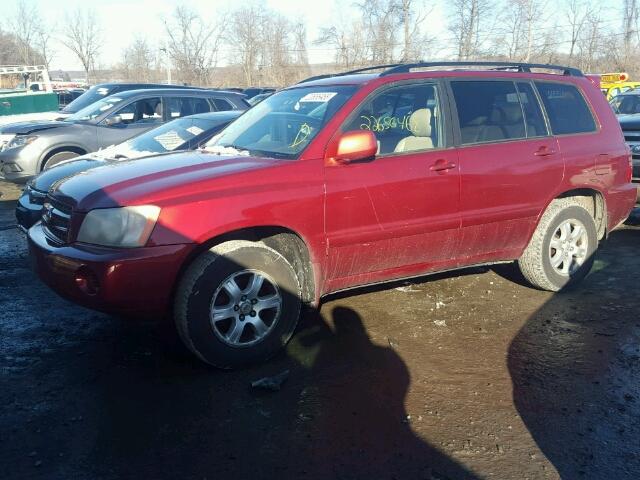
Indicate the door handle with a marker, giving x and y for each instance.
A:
(441, 166)
(544, 151)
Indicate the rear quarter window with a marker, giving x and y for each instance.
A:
(566, 108)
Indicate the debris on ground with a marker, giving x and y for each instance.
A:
(273, 383)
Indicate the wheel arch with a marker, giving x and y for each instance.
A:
(80, 150)
(285, 241)
(594, 202)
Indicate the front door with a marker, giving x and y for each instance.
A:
(398, 214)
(134, 118)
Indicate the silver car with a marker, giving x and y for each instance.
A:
(30, 147)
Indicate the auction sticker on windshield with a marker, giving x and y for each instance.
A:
(194, 130)
(318, 97)
(169, 140)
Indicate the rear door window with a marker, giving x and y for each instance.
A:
(221, 105)
(488, 111)
(533, 117)
(566, 108)
(185, 106)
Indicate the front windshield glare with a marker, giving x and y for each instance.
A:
(283, 125)
(94, 110)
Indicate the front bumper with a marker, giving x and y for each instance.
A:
(136, 281)
(28, 212)
(16, 165)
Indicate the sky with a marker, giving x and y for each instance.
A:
(122, 20)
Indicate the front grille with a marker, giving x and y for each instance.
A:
(56, 220)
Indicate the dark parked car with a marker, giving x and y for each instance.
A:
(343, 181)
(66, 96)
(36, 146)
(253, 91)
(627, 107)
(102, 90)
(256, 99)
(186, 133)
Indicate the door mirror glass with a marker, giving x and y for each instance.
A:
(351, 147)
(113, 120)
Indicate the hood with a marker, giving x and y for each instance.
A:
(150, 179)
(24, 128)
(629, 121)
(64, 170)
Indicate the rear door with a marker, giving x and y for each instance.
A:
(510, 165)
(398, 213)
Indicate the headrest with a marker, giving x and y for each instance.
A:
(420, 122)
(508, 114)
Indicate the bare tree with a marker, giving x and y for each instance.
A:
(467, 24)
(591, 42)
(32, 35)
(416, 43)
(247, 24)
(139, 60)
(83, 36)
(577, 13)
(629, 26)
(193, 44)
(348, 42)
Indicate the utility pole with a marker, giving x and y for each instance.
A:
(167, 61)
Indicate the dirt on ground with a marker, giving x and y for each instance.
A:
(471, 375)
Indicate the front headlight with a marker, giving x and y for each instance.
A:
(119, 227)
(20, 141)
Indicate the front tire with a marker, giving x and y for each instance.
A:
(561, 251)
(238, 303)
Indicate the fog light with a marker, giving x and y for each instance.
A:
(87, 281)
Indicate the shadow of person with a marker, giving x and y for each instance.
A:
(574, 367)
(340, 415)
(353, 412)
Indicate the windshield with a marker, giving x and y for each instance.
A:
(626, 104)
(94, 110)
(173, 135)
(87, 98)
(282, 125)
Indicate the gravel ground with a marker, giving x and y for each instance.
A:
(472, 375)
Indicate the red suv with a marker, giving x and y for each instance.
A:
(341, 181)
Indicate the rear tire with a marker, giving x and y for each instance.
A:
(561, 251)
(237, 304)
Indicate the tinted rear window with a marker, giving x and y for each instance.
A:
(566, 108)
(488, 111)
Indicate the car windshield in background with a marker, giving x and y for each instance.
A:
(94, 110)
(626, 104)
(172, 135)
(282, 125)
(90, 96)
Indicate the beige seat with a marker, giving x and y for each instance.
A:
(420, 126)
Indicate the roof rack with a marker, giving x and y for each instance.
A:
(518, 66)
(407, 67)
(351, 72)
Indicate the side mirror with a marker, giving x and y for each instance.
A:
(351, 147)
(113, 121)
